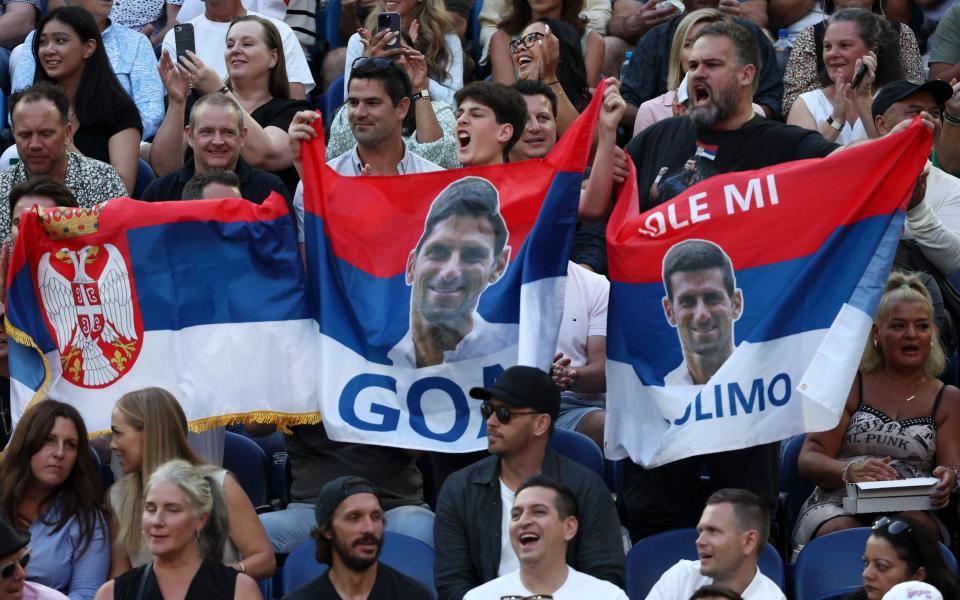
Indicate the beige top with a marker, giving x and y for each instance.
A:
(143, 556)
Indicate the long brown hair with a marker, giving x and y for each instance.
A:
(157, 414)
(79, 495)
(521, 15)
(435, 23)
(278, 83)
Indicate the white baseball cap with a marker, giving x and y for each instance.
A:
(913, 590)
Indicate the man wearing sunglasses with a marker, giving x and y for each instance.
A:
(14, 557)
(473, 509)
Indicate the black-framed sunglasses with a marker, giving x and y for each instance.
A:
(504, 414)
(893, 526)
(528, 41)
(7, 569)
(377, 61)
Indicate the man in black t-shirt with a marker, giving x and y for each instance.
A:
(349, 537)
(721, 134)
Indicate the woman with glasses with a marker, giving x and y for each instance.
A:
(425, 27)
(49, 486)
(256, 79)
(14, 558)
(900, 421)
(587, 45)
(900, 549)
(185, 524)
(149, 429)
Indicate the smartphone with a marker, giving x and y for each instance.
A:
(677, 4)
(861, 72)
(183, 36)
(391, 21)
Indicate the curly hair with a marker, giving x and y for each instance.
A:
(521, 15)
(435, 23)
(878, 35)
(904, 287)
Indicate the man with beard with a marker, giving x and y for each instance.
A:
(349, 537)
(721, 129)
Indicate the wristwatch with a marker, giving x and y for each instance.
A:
(838, 125)
(424, 94)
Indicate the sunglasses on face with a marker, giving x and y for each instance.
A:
(528, 41)
(504, 415)
(893, 526)
(7, 569)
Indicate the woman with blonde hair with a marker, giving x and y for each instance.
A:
(428, 29)
(149, 429)
(185, 523)
(900, 421)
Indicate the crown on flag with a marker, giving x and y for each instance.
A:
(67, 222)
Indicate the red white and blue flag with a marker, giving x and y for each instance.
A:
(427, 285)
(204, 298)
(698, 363)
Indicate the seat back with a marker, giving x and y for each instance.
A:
(332, 100)
(830, 563)
(145, 177)
(579, 448)
(331, 25)
(653, 556)
(248, 463)
(473, 30)
(405, 554)
(792, 484)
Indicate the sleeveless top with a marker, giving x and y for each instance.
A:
(213, 581)
(820, 108)
(143, 556)
(910, 443)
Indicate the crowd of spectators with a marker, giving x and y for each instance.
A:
(103, 103)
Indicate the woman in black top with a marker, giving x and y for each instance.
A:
(185, 524)
(68, 51)
(257, 80)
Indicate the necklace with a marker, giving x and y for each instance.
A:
(912, 385)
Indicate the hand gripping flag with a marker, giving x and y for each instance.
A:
(739, 309)
(204, 298)
(427, 285)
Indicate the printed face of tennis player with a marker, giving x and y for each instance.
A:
(456, 262)
(703, 312)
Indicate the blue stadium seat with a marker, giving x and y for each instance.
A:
(796, 488)
(331, 25)
(405, 554)
(473, 29)
(281, 477)
(248, 463)
(104, 470)
(145, 177)
(332, 100)
(578, 447)
(652, 556)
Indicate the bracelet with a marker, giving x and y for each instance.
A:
(551, 82)
(843, 472)
(951, 120)
(956, 473)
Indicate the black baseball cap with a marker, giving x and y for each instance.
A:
(336, 491)
(11, 539)
(523, 387)
(896, 91)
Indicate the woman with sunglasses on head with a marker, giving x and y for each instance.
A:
(49, 485)
(256, 79)
(429, 31)
(900, 549)
(149, 429)
(68, 51)
(587, 45)
(900, 421)
(185, 523)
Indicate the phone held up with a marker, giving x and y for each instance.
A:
(391, 21)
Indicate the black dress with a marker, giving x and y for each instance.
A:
(213, 581)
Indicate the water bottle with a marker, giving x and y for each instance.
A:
(782, 47)
(625, 64)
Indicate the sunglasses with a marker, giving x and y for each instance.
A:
(893, 526)
(377, 61)
(528, 41)
(504, 415)
(7, 569)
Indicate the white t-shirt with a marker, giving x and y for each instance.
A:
(584, 315)
(684, 578)
(578, 586)
(211, 42)
(274, 9)
(508, 558)
(935, 222)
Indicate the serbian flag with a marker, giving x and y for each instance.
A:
(740, 308)
(203, 298)
(427, 285)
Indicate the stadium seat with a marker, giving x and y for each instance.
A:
(145, 177)
(248, 463)
(652, 556)
(578, 447)
(405, 554)
(473, 30)
(795, 488)
(331, 25)
(332, 100)
(104, 470)
(281, 478)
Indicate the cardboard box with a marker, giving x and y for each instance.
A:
(889, 496)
